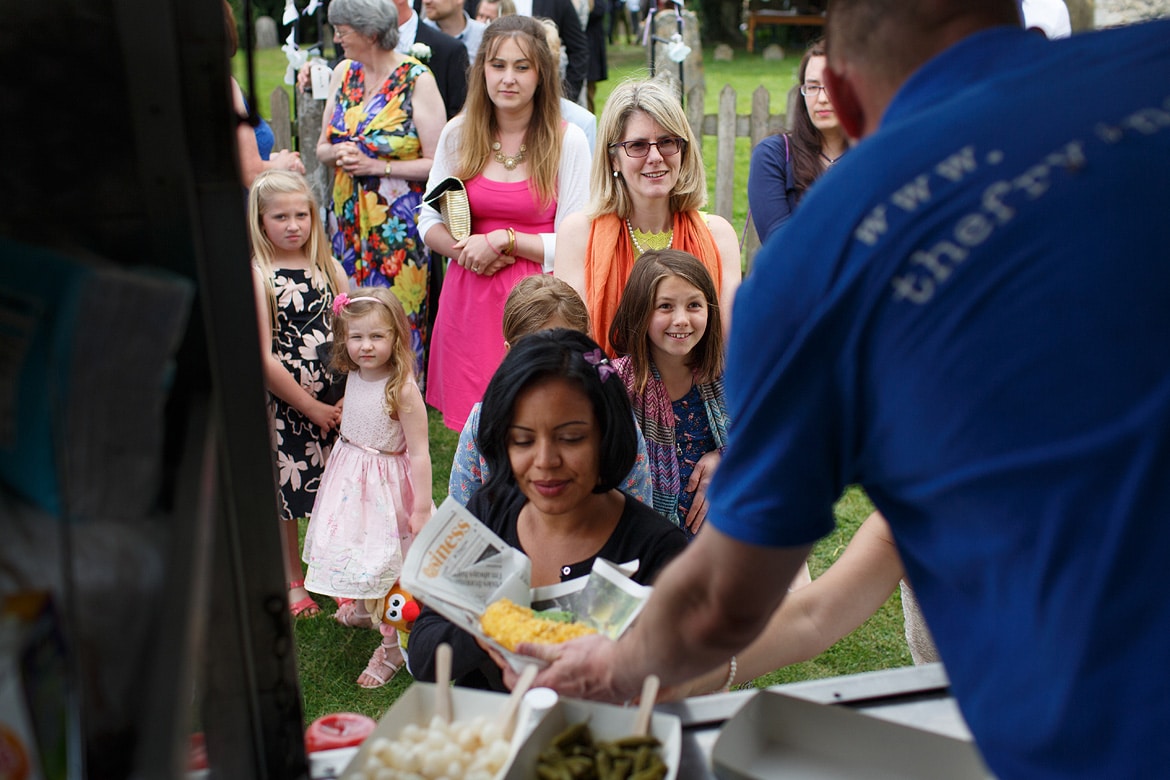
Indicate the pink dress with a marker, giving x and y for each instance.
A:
(354, 544)
(468, 339)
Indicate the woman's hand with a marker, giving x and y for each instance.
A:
(697, 484)
(363, 165)
(287, 161)
(497, 659)
(347, 156)
(480, 256)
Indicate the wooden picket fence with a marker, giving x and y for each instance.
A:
(725, 126)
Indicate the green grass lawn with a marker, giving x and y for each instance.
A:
(330, 656)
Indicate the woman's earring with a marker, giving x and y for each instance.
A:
(616, 174)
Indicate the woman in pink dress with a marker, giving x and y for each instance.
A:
(525, 169)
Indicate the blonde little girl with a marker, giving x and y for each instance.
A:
(375, 494)
(295, 281)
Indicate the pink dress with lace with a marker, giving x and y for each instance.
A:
(468, 340)
(356, 539)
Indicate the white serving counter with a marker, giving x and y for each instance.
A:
(914, 696)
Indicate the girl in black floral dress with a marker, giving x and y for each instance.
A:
(295, 279)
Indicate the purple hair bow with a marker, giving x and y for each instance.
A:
(599, 361)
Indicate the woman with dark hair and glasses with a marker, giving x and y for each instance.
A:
(558, 436)
(784, 165)
(647, 190)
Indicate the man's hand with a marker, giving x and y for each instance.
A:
(582, 668)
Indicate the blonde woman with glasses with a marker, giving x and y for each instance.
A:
(647, 190)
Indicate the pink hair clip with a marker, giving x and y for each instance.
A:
(341, 300)
(601, 363)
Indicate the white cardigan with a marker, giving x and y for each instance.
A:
(572, 180)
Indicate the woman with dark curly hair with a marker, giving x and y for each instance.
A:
(784, 165)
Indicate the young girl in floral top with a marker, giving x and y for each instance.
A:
(668, 332)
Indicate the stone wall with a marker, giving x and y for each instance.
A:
(1110, 13)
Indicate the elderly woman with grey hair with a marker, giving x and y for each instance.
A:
(380, 129)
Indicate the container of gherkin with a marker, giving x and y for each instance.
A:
(576, 732)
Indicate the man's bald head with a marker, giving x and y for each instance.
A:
(877, 44)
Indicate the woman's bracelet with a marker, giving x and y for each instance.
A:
(511, 242)
(731, 668)
(387, 173)
(486, 237)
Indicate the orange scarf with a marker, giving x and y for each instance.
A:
(609, 259)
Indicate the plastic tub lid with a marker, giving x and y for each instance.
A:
(338, 730)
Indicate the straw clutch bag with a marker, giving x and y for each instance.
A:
(449, 198)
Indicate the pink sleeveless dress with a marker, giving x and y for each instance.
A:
(356, 539)
(468, 341)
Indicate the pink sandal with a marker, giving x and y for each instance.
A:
(347, 615)
(306, 607)
(379, 669)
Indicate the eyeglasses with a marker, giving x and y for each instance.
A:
(813, 89)
(666, 147)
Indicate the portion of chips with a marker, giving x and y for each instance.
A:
(510, 624)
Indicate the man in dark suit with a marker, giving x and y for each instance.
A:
(572, 36)
(448, 60)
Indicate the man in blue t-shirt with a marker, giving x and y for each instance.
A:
(969, 316)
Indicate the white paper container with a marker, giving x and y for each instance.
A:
(607, 722)
(328, 764)
(417, 705)
(774, 735)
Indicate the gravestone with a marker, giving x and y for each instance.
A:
(724, 53)
(309, 116)
(774, 52)
(665, 28)
(1110, 13)
(266, 33)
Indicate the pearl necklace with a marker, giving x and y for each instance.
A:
(638, 246)
(509, 162)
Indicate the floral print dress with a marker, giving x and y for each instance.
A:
(373, 220)
(302, 323)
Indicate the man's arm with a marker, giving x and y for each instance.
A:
(576, 48)
(707, 605)
(449, 64)
(457, 68)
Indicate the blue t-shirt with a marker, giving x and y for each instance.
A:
(265, 138)
(976, 328)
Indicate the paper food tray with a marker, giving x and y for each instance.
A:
(607, 722)
(774, 735)
(417, 705)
